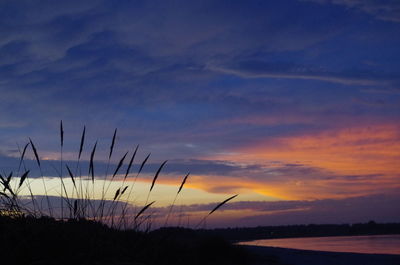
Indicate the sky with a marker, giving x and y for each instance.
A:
(292, 104)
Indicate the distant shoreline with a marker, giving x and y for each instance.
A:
(311, 236)
(280, 256)
(322, 236)
(311, 230)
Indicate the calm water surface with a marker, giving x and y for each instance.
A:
(381, 244)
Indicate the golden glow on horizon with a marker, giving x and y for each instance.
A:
(163, 192)
(349, 162)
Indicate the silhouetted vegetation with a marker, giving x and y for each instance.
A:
(79, 228)
(79, 195)
(28, 240)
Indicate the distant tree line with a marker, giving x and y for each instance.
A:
(311, 230)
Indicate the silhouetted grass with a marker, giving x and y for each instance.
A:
(87, 230)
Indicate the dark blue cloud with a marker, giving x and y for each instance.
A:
(173, 167)
(378, 207)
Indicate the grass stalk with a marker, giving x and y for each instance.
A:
(176, 196)
(49, 206)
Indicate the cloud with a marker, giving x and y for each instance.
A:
(325, 164)
(332, 163)
(342, 150)
(172, 168)
(385, 10)
(273, 206)
(380, 208)
(179, 167)
(155, 66)
(261, 69)
(377, 207)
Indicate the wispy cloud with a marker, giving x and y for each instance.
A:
(386, 10)
(260, 69)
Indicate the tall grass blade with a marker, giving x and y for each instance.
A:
(4, 194)
(183, 183)
(23, 177)
(41, 173)
(143, 210)
(82, 142)
(157, 173)
(143, 163)
(61, 167)
(71, 175)
(116, 194)
(6, 184)
(112, 144)
(176, 196)
(128, 169)
(120, 163)
(213, 210)
(123, 191)
(9, 178)
(61, 133)
(91, 165)
(35, 152)
(222, 203)
(21, 162)
(2, 180)
(75, 207)
(23, 155)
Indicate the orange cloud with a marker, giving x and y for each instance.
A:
(371, 150)
(339, 163)
(359, 161)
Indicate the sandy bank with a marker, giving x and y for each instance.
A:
(273, 255)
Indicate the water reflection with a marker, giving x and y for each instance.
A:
(381, 244)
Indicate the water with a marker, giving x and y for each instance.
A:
(380, 244)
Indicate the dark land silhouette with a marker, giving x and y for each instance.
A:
(310, 230)
(29, 240)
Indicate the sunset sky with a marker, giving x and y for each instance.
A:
(293, 105)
